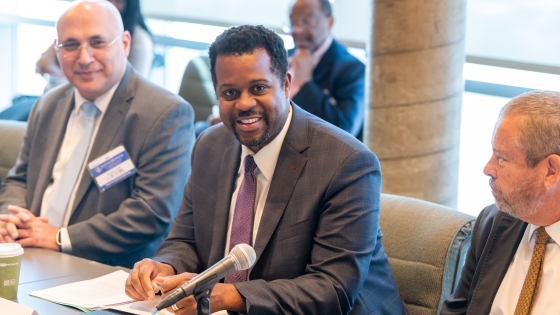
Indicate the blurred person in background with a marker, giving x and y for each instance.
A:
(328, 82)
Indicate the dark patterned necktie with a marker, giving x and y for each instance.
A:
(533, 278)
(242, 225)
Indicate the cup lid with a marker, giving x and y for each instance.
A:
(10, 250)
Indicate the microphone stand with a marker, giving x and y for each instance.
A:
(203, 301)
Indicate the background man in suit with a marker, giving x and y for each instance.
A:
(313, 216)
(503, 266)
(327, 81)
(53, 199)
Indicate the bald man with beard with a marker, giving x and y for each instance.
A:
(50, 198)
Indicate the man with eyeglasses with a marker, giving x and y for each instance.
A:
(327, 80)
(105, 158)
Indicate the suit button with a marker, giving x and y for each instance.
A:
(326, 91)
(332, 101)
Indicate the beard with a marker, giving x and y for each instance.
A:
(523, 201)
(251, 142)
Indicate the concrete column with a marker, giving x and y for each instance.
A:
(414, 96)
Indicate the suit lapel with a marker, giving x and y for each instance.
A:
(503, 246)
(108, 129)
(286, 174)
(228, 170)
(51, 141)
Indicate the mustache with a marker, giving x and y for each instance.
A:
(493, 186)
(246, 113)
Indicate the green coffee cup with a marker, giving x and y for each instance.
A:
(10, 262)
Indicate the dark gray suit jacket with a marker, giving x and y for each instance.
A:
(128, 221)
(318, 246)
(495, 238)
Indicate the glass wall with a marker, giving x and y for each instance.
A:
(517, 34)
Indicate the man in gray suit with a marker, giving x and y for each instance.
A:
(311, 190)
(55, 197)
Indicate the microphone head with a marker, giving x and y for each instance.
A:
(243, 255)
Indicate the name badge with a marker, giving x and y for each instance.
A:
(111, 168)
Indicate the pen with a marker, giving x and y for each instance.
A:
(157, 288)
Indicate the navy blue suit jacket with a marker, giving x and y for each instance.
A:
(495, 239)
(336, 93)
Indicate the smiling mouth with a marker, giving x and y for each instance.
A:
(86, 73)
(248, 121)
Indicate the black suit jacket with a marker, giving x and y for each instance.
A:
(318, 246)
(496, 236)
(336, 93)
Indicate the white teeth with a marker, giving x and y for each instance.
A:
(249, 121)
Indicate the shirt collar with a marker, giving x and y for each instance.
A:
(267, 157)
(102, 102)
(553, 231)
(318, 54)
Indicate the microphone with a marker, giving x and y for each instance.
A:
(241, 257)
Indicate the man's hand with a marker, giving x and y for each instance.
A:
(10, 223)
(31, 230)
(170, 284)
(140, 283)
(223, 297)
(301, 68)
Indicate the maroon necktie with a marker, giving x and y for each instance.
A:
(242, 225)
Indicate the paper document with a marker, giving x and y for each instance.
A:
(94, 294)
(142, 307)
(147, 307)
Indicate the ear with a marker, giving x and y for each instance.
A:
(287, 84)
(552, 176)
(56, 50)
(126, 38)
(331, 21)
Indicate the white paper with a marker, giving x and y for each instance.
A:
(91, 294)
(147, 307)
(141, 308)
(13, 308)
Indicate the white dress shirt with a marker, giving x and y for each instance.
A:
(547, 301)
(266, 160)
(74, 131)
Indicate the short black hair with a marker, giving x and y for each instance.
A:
(326, 7)
(245, 39)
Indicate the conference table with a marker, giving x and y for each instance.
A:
(42, 269)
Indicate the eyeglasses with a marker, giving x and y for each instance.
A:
(95, 44)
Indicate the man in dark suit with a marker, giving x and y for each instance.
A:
(52, 195)
(512, 265)
(326, 80)
(313, 217)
